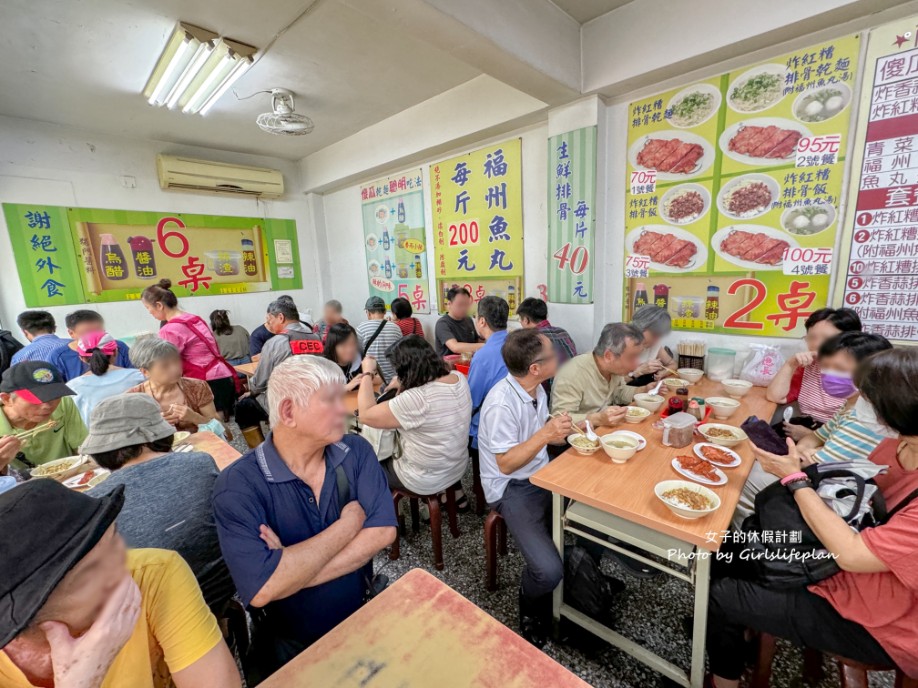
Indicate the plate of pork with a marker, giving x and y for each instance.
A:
(673, 154)
(753, 247)
(670, 249)
(763, 141)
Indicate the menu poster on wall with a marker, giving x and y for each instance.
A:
(477, 202)
(82, 255)
(733, 193)
(571, 217)
(394, 237)
(881, 280)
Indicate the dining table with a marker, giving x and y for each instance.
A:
(417, 633)
(222, 452)
(614, 505)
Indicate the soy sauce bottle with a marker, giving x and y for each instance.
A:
(142, 255)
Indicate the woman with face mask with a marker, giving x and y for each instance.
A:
(851, 434)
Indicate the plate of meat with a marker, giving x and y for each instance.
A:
(673, 154)
(670, 249)
(719, 456)
(699, 470)
(753, 247)
(685, 203)
(763, 141)
(748, 196)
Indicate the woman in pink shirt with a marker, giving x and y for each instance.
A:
(867, 612)
(200, 354)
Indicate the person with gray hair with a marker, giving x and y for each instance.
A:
(301, 517)
(594, 386)
(185, 402)
(291, 337)
(654, 323)
(332, 315)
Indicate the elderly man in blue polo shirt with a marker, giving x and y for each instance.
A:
(515, 431)
(300, 516)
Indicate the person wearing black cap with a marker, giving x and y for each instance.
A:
(78, 610)
(33, 393)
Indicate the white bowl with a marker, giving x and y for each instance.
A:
(722, 407)
(180, 437)
(681, 511)
(635, 414)
(693, 375)
(619, 454)
(675, 383)
(651, 402)
(736, 388)
(738, 434)
(579, 450)
(641, 442)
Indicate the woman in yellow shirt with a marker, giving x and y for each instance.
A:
(77, 610)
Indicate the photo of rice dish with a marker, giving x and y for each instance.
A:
(822, 104)
(692, 109)
(757, 93)
(809, 220)
(684, 207)
(747, 199)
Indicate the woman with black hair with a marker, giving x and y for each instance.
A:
(403, 315)
(99, 350)
(232, 340)
(343, 349)
(432, 412)
(799, 379)
(868, 612)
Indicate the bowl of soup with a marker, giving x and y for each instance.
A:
(619, 448)
(651, 402)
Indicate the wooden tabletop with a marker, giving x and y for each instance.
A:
(247, 369)
(420, 633)
(626, 490)
(222, 452)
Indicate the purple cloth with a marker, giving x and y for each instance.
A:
(762, 435)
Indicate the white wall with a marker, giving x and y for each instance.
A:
(53, 165)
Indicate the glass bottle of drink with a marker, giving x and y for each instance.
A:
(712, 304)
(142, 255)
(386, 244)
(640, 296)
(661, 295)
(112, 258)
(388, 269)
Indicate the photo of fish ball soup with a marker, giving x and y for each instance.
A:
(809, 220)
(822, 104)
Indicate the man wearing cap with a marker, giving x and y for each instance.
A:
(33, 393)
(78, 610)
(376, 335)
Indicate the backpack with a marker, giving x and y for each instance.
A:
(373, 584)
(585, 586)
(9, 345)
(792, 564)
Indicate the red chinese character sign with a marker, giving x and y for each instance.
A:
(395, 239)
(79, 255)
(477, 202)
(733, 193)
(881, 246)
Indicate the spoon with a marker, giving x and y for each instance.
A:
(788, 414)
(592, 436)
(656, 390)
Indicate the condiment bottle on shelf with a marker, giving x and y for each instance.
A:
(661, 295)
(640, 295)
(694, 409)
(675, 405)
(712, 304)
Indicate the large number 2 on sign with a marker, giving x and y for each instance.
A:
(760, 292)
(162, 237)
(463, 233)
(577, 260)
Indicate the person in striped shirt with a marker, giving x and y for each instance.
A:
(851, 434)
(38, 327)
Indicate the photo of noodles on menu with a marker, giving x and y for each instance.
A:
(733, 188)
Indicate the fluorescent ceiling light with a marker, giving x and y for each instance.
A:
(195, 69)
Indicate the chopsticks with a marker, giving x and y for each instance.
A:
(26, 435)
(576, 429)
(691, 347)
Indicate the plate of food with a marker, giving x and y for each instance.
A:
(686, 499)
(748, 196)
(693, 106)
(753, 247)
(670, 249)
(699, 470)
(635, 414)
(821, 104)
(763, 141)
(724, 435)
(757, 89)
(685, 203)
(583, 444)
(673, 154)
(719, 456)
(55, 468)
(86, 480)
(633, 435)
(808, 220)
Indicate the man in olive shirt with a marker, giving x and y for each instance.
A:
(31, 394)
(594, 386)
(455, 332)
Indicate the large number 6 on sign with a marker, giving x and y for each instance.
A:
(760, 292)
(162, 237)
(576, 260)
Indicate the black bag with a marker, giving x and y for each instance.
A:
(784, 564)
(373, 585)
(9, 345)
(585, 586)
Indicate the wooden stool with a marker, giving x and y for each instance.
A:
(853, 674)
(495, 537)
(433, 504)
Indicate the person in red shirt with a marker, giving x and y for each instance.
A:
(402, 313)
(868, 611)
